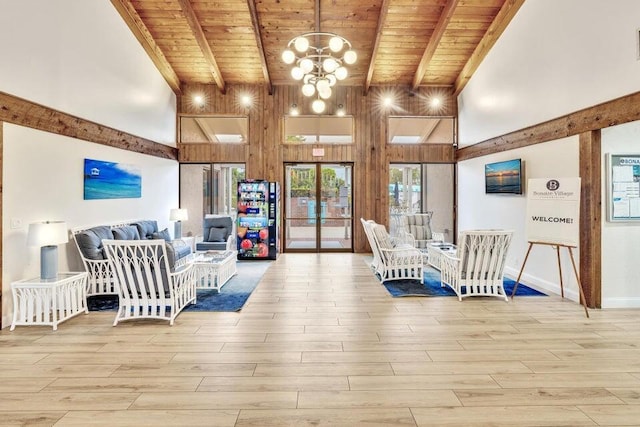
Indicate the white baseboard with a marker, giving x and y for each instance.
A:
(571, 294)
(542, 285)
(621, 302)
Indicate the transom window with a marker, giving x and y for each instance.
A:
(214, 129)
(318, 130)
(421, 130)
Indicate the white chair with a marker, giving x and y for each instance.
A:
(416, 229)
(367, 224)
(477, 269)
(147, 287)
(397, 261)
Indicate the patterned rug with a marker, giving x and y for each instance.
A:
(432, 288)
(231, 297)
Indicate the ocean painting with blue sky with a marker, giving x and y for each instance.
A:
(109, 180)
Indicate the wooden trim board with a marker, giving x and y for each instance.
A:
(29, 114)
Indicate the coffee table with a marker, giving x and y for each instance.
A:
(436, 251)
(214, 268)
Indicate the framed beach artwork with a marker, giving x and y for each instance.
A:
(504, 177)
(109, 180)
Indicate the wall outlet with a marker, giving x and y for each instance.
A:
(16, 223)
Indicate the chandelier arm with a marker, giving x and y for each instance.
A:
(319, 60)
(313, 34)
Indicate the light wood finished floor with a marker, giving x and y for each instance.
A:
(320, 342)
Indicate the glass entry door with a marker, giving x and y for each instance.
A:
(318, 207)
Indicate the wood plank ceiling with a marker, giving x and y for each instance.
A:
(399, 42)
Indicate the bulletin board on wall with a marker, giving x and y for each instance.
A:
(623, 187)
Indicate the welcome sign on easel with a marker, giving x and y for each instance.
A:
(553, 211)
(553, 219)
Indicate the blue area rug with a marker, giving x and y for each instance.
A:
(231, 297)
(432, 288)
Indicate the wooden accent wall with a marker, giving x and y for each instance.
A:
(265, 154)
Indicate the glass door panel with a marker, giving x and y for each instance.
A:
(427, 187)
(208, 189)
(405, 193)
(335, 215)
(317, 207)
(300, 207)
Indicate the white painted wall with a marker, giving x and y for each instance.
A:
(43, 180)
(80, 57)
(620, 249)
(479, 210)
(555, 57)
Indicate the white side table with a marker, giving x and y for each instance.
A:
(49, 302)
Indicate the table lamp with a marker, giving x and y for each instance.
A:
(48, 235)
(178, 215)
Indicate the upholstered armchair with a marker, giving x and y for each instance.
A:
(217, 234)
(396, 261)
(477, 268)
(148, 286)
(416, 230)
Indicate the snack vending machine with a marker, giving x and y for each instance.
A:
(258, 219)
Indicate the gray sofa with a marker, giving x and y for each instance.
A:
(217, 234)
(89, 243)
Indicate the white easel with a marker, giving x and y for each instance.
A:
(583, 300)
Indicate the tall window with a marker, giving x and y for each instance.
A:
(208, 189)
(416, 188)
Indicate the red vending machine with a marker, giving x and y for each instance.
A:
(258, 219)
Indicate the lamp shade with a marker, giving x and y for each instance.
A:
(49, 233)
(178, 215)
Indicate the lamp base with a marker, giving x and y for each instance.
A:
(48, 262)
(177, 230)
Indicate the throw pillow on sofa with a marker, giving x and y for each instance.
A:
(163, 234)
(146, 228)
(126, 232)
(90, 242)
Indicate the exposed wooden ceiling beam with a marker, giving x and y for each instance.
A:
(502, 19)
(434, 41)
(200, 37)
(611, 113)
(384, 8)
(256, 30)
(26, 113)
(141, 32)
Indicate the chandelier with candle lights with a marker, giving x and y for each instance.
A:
(319, 60)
